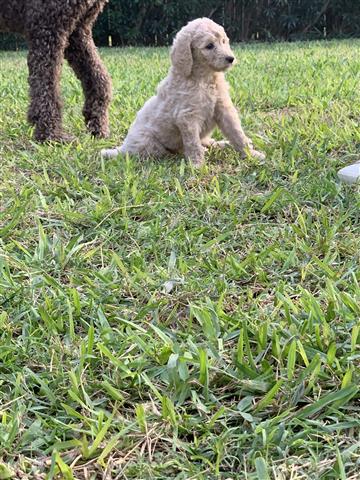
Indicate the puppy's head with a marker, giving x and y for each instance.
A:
(203, 42)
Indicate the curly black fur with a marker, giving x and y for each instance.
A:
(55, 29)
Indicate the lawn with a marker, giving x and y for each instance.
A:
(162, 322)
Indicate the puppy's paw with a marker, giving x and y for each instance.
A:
(256, 154)
(197, 165)
(110, 152)
(211, 143)
(197, 162)
(196, 156)
(221, 144)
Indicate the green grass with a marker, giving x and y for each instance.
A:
(160, 322)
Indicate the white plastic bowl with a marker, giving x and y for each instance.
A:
(350, 174)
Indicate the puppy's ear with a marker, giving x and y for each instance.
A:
(181, 56)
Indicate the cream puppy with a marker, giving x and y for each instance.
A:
(190, 102)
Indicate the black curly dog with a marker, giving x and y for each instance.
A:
(55, 29)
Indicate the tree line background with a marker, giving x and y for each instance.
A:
(154, 22)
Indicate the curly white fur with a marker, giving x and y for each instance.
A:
(190, 101)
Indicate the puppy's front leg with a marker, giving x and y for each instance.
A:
(228, 121)
(193, 149)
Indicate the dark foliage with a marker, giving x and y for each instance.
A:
(154, 22)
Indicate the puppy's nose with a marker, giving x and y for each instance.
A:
(230, 59)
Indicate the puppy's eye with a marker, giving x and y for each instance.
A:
(210, 46)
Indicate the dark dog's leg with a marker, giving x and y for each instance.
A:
(82, 55)
(46, 53)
